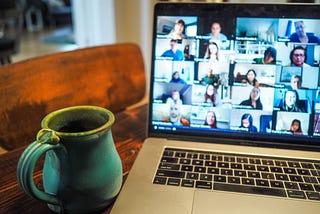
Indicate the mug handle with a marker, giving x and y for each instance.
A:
(46, 140)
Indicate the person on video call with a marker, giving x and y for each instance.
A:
(175, 98)
(178, 30)
(301, 35)
(251, 78)
(210, 79)
(176, 78)
(210, 96)
(247, 123)
(175, 117)
(291, 98)
(298, 57)
(295, 127)
(218, 37)
(211, 119)
(270, 57)
(174, 52)
(295, 82)
(254, 99)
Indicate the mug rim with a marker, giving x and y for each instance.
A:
(45, 121)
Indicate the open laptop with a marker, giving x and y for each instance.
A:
(234, 119)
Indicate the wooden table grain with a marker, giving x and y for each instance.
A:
(129, 131)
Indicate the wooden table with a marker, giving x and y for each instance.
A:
(129, 131)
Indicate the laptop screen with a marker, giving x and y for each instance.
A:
(241, 71)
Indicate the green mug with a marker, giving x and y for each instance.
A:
(82, 172)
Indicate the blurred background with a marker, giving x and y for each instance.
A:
(30, 28)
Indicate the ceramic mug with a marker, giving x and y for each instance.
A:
(82, 172)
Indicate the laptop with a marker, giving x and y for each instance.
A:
(234, 112)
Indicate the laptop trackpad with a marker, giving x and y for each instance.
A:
(228, 202)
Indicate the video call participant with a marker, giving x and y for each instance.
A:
(210, 79)
(174, 52)
(176, 78)
(175, 98)
(175, 117)
(178, 30)
(298, 57)
(254, 99)
(295, 127)
(210, 95)
(291, 99)
(270, 57)
(211, 119)
(251, 78)
(295, 82)
(247, 123)
(218, 37)
(301, 36)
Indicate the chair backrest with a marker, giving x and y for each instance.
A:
(110, 76)
(11, 23)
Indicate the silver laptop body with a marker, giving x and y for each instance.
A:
(207, 107)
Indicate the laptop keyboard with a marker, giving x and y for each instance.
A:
(299, 179)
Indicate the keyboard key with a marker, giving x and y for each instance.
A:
(204, 156)
(168, 153)
(234, 180)
(240, 173)
(295, 178)
(236, 166)
(169, 173)
(226, 172)
(192, 155)
(276, 184)
(317, 187)
(263, 168)
(296, 194)
(203, 184)
(249, 167)
(191, 175)
(313, 196)
(211, 163)
(197, 162)
(254, 161)
(282, 177)
(223, 165)
(180, 154)
(291, 185)
(187, 183)
(199, 169)
(276, 169)
(185, 161)
(159, 180)
(262, 182)
(247, 181)
(317, 166)
(242, 159)
(289, 171)
(174, 181)
(169, 160)
(267, 175)
(303, 171)
(307, 187)
(309, 179)
(229, 159)
(220, 178)
(281, 163)
(169, 166)
(213, 170)
(268, 162)
(253, 174)
(205, 177)
(249, 189)
(307, 165)
(294, 164)
(216, 157)
(187, 168)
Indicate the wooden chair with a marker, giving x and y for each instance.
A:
(110, 76)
